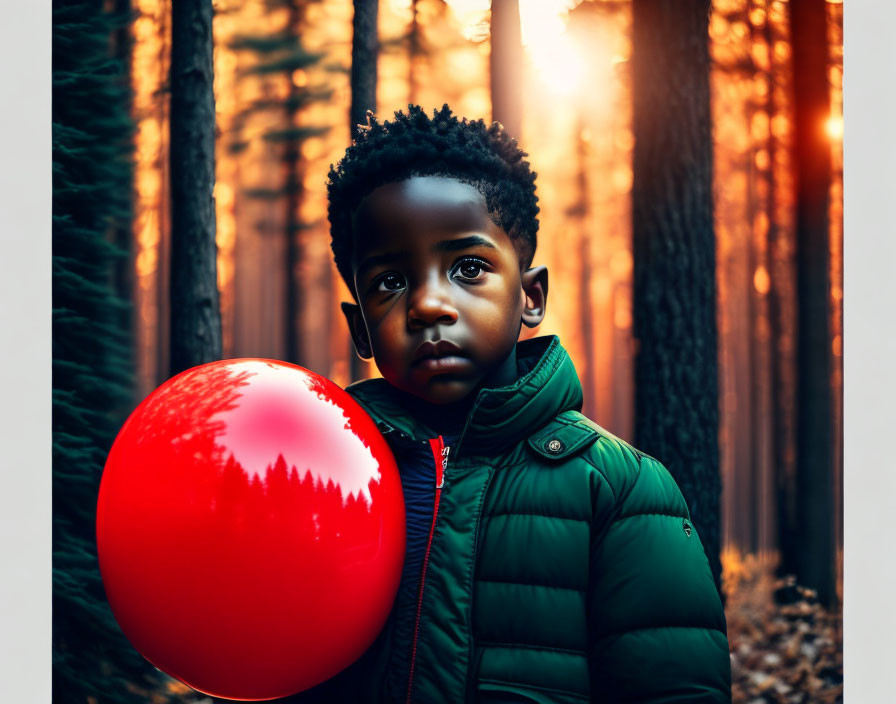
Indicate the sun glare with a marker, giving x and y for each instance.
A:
(834, 127)
(472, 15)
(555, 57)
(559, 65)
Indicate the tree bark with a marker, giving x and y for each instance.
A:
(676, 367)
(812, 161)
(293, 186)
(161, 290)
(414, 51)
(586, 305)
(780, 345)
(365, 50)
(124, 272)
(506, 66)
(195, 315)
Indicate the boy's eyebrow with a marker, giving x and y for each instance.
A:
(463, 243)
(444, 246)
(377, 259)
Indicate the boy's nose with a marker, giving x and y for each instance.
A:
(429, 305)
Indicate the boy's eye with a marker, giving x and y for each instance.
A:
(470, 269)
(390, 282)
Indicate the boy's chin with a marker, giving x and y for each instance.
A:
(445, 390)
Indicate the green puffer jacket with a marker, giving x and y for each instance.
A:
(562, 566)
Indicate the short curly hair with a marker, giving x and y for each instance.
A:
(414, 144)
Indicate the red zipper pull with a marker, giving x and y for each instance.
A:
(440, 457)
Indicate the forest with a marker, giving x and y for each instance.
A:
(190, 160)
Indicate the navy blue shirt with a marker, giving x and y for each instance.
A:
(417, 469)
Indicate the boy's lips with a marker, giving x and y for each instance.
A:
(439, 355)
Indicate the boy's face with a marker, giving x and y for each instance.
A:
(441, 295)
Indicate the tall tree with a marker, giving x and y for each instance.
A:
(365, 51)
(676, 368)
(92, 357)
(812, 157)
(506, 66)
(578, 212)
(293, 186)
(415, 49)
(195, 313)
(780, 302)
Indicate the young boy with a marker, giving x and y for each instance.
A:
(547, 560)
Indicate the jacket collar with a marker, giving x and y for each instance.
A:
(499, 418)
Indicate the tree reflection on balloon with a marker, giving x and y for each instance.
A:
(251, 528)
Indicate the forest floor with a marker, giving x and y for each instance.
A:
(785, 648)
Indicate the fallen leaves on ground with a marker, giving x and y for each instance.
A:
(785, 647)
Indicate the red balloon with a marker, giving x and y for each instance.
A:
(250, 529)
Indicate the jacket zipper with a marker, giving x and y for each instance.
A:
(440, 458)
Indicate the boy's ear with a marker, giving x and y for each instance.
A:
(357, 329)
(535, 286)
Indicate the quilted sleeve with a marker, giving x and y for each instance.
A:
(656, 625)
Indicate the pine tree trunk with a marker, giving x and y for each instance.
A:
(161, 291)
(780, 354)
(124, 273)
(414, 51)
(195, 315)
(365, 48)
(676, 367)
(754, 378)
(586, 307)
(812, 156)
(505, 65)
(292, 165)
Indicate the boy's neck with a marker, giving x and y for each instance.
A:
(450, 418)
(505, 374)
